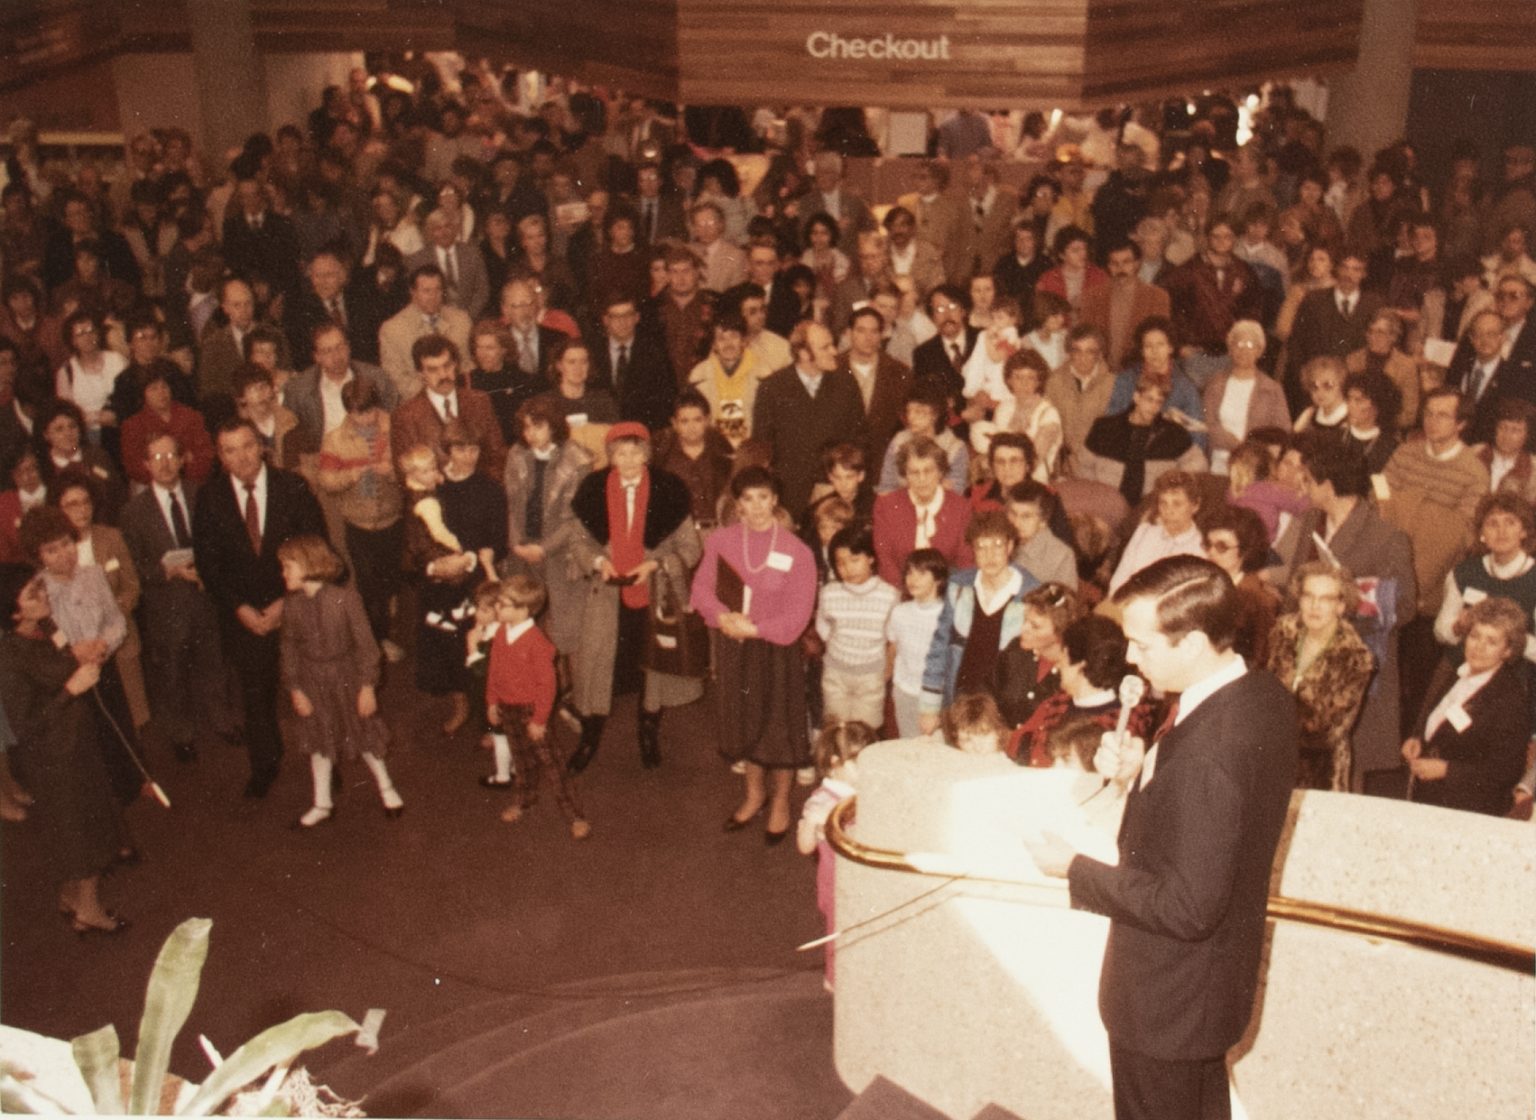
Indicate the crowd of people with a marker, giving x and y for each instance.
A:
(572, 400)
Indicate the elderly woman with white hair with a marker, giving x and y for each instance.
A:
(1242, 398)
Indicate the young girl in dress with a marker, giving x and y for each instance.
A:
(834, 752)
(330, 666)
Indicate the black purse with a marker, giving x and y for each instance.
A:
(676, 640)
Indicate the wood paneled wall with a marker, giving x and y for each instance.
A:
(1463, 35)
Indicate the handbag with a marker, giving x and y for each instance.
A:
(676, 642)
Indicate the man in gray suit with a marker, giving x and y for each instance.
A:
(185, 667)
(465, 284)
(315, 395)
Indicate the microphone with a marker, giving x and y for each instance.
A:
(1132, 689)
(1106, 762)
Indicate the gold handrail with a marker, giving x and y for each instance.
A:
(1501, 954)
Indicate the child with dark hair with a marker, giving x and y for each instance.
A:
(909, 634)
(973, 724)
(834, 752)
(851, 620)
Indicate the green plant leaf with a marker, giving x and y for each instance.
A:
(167, 1003)
(274, 1046)
(96, 1054)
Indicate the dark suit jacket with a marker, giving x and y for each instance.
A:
(649, 387)
(416, 421)
(235, 575)
(892, 381)
(1187, 902)
(306, 312)
(931, 359)
(1486, 760)
(669, 221)
(1320, 330)
(171, 607)
(473, 290)
(272, 252)
(799, 426)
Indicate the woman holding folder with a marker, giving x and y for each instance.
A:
(756, 586)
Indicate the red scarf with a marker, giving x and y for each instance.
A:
(626, 543)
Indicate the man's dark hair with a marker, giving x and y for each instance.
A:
(1191, 594)
(857, 538)
(1342, 466)
(432, 346)
(1098, 644)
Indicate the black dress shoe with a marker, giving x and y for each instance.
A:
(582, 756)
(490, 782)
(735, 824)
(185, 752)
(772, 839)
(394, 812)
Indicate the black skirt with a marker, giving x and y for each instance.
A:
(760, 695)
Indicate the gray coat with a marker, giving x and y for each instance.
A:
(302, 397)
(559, 570)
(672, 540)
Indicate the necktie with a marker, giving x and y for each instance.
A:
(954, 354)
(622, 368)
(650, 219)
(527, 360)
(448, 412)
(252, 519)
(432, 323)
(451, 267)
(337, 313)
(1149, 764)
(1481, 372)
(179, 523)
(1347, 306)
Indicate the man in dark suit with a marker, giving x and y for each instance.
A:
(1330, 321)
(442, 400)
(662, 216)
(805, 407)
(883, 382)
(241, 518)
(1479, 371)
(1206, 805)
(258, 242)
(330, 297)
(181, 636)
(943, 356)
(633, 365)
(532, 343)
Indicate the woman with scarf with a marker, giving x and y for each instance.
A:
(636, 552)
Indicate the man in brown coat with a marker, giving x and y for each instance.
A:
(1117, 307)
(421, 419)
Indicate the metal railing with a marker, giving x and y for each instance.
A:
(1469, 946)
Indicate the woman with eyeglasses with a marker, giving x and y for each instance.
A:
(89, 375)
(1242, 397)
(1317, 654)
(1237, 543)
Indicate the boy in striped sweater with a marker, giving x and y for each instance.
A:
(850, 618)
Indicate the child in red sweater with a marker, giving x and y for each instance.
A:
(519, 695)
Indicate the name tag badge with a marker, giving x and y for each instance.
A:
(1457, 717)
(1473, 595)
(112, 565)
(780, 561)
(576, 420)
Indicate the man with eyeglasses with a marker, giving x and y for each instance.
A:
(633, 365)
(943, 356)
(184, 665)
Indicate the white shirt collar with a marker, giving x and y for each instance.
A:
(511, 634)
(990, 601)
(1196, 694)
(439, 401)
(1447, 455)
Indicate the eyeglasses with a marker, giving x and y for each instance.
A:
(1509, 293)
